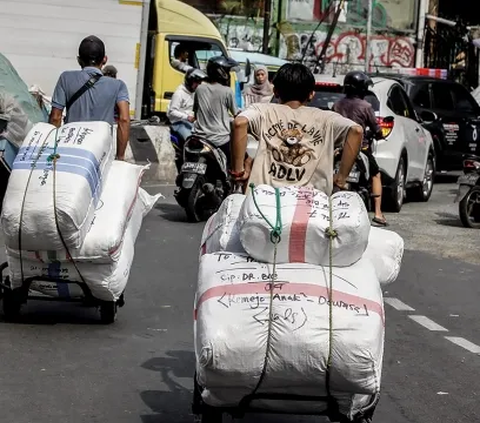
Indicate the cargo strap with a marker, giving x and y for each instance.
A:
(275, 237)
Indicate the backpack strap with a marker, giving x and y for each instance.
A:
(89, 84)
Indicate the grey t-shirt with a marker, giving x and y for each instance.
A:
(214, 106)
(96, 104)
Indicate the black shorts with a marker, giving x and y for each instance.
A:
(372, 162)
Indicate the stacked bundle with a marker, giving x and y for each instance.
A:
(289, 299)
(71, 212)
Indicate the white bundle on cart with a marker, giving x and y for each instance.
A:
(241, 317)
(103, 262)
(222, 232)
(305, 216)
(39, 203)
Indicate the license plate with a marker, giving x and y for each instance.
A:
(354, 177)
(468, 180)
(199, 168)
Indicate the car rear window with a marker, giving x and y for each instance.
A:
(326, 96)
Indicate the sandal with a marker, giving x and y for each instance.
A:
(380, 221)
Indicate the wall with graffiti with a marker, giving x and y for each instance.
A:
(346, 50)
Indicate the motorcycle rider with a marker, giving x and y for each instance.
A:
(180, 110)
(354, 106)
(214, 104)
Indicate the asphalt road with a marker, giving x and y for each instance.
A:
(59, 365)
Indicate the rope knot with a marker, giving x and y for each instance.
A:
(53, 157)
(331, 233)
(275, 236)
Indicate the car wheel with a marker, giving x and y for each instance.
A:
(423, 192)
(396, 196)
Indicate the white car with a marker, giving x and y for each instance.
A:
(406, 155)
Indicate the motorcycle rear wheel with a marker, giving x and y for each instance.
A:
(193, 208)
(469, 209)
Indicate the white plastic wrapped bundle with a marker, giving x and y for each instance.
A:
(38, 207)
(305, 220)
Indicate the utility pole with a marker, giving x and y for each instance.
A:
(267, 16)
(368, 41)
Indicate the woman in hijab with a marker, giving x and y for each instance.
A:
(261, 91)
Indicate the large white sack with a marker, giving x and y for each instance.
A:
(232, 309)
(222, 230)
(305, 214)
(106, 281)
(385, 250)
(114, 210)
(85, 154)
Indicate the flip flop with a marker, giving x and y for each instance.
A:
(380, 221)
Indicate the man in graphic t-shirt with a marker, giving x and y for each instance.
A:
(296, 142)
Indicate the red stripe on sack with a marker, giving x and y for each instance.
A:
(298, 232)
(285, 288)
(204, 248)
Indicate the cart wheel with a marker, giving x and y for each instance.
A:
(108, 312)
(12, 304)
(210, 415)
(121, 300)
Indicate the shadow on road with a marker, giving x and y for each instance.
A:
(173, 404)
(172, 212)
(447, 219)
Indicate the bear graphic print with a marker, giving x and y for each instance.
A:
(295, 145)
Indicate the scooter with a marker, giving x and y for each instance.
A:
(359, 178)
(468, 194)
(203, 182)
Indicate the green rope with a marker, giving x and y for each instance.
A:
(54, 155)
(275, 234)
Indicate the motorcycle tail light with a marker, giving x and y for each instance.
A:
(471, 164)
(386, 127)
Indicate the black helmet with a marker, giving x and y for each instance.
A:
(218, 69)
(357, 83)
(192, 76)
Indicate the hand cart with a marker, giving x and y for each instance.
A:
(206, 414)
(14, 299)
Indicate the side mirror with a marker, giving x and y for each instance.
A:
(428, 116)
(248, 69)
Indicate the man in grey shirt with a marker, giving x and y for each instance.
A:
(214, 105)
(98, 103)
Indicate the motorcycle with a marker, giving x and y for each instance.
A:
(468, 194)
(203, 182)
(359, 178)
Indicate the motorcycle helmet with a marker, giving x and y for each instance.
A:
(357, 83)
(194, 76)
(219, 68)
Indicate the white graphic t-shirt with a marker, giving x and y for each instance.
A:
(295, 145)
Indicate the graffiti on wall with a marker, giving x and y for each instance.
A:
(350, 48)
(346, 48)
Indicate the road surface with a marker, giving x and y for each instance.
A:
(59, 365)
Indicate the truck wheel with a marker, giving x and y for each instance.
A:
(211, 415)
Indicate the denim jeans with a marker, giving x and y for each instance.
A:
(184, 129)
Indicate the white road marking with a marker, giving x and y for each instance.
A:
(397, 304)
(462, 342)
(428, 324)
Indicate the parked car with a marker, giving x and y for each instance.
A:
(406, 155)
(455, 127)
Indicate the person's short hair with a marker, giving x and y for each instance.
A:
(91, 51)
(179, 49)
(110, 70)
(294, 82)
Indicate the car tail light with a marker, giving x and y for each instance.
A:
(386, 127)
(471, 164)
(327, 84)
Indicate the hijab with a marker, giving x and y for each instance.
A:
(258, 92)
